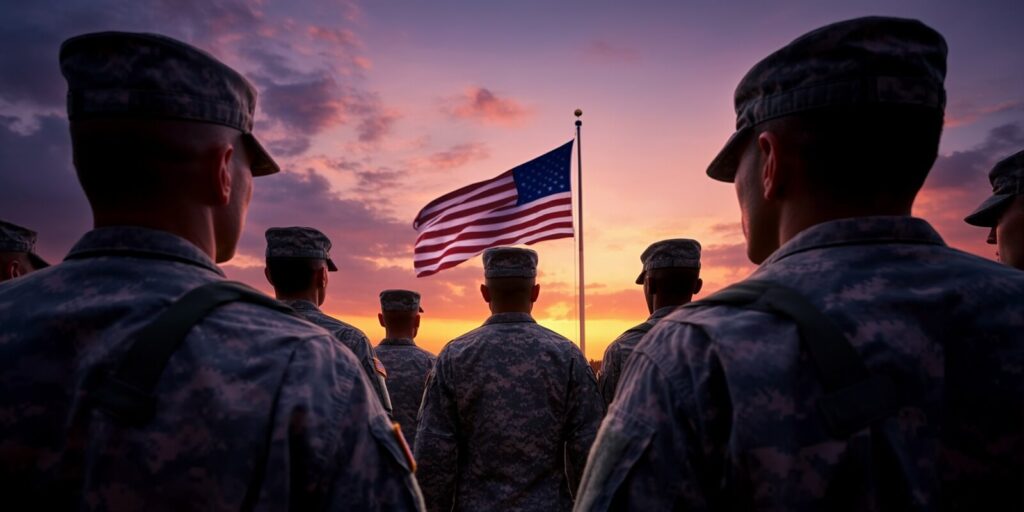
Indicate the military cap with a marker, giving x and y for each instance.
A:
(510, 262)
(1007, 179)
(149, 76)
(673, 253)
(400, 300)
(864, 61)
(299, 242)
(14, 238)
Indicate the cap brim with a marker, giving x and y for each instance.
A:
(421, 310)
(331, 266)
(640, 278)
(987, 215)
(261, 162)
(723, 167)
(37, 262)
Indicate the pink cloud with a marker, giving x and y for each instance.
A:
(457, 156)
(607, 52)
(481, 104)
(965, 114)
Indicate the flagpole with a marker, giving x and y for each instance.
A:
(579, 205)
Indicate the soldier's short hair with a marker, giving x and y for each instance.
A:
(293, 275)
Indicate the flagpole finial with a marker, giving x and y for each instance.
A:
(578, 114)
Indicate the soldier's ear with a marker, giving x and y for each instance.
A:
(767, 144)
(11, 269)
(223, 175)
(535, 292)
(698, 285)
(266, 272)
(380, 318)
(485, 293)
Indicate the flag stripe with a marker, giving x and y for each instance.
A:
(470, 210)
(483, 228)
(496, 216)
(461, 195)
(564, 230)
(466, 244)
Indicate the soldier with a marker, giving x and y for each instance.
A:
(511, 408)
(407, 364)
(1004, 211)
(232, 405)
(17, 251)
(864, 365)
(298, 260)
(671, 277)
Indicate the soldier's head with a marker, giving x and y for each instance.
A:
(298, 260)
(400, 313)
(671, 272)
(162, 136)
(844, 121)
(17, 251)
(510, 279)
(1003, 212)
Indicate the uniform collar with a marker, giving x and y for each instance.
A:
(301, 305)
(859, 231)
(398, 341)
(510, 318)
(661, 312)
(137, 242)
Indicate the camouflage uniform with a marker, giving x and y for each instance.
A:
(407, 364)
(717, 409)
(256, 409)
(673, 253)
(510, 410)
(303, 242)
(14, 238)
(1007, 179)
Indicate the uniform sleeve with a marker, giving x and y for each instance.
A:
(436, 444)
(611, 366)
(373, 368)
(585, 409)
(657, 450)
(333, 439)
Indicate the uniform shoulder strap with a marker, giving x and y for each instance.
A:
(644, 328)
(854, 398)
(127, 392)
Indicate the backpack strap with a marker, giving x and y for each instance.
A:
(127, 392)
(854, 398)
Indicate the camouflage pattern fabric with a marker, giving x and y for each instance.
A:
(14, 238)
(616, 355)
(408, 367)
(353, 339)
(509, 414)
(251, 391)
(716, 410)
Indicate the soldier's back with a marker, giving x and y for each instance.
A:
(525, 400)
(407, 366)
(248, 395)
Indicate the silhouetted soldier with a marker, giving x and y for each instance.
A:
(407, 364)
(511, 408)
(298, 260)
(865, 365)
(134, 376)
(17, 251)
(670, 277)
(1004, 211)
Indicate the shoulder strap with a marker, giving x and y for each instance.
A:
(127, 392)
(854, 398)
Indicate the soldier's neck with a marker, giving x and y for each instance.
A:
(306, 295)
(399, 334)
(799, 216)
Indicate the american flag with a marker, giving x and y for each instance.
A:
(528, 204)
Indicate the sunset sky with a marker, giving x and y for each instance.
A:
(375, 108)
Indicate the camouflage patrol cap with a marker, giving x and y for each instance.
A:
(14, 238)
(510, 262)
(672, 253)
(864, 61)
(400, 300)
(1007, 179)
(149, 76)
(299, 242)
